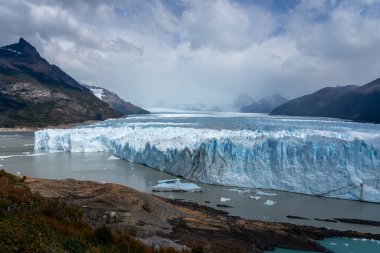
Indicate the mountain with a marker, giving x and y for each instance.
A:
(115, 102)
(265, 105)
(35, 93)
(241, 101)
(201, 107)
(357, 103)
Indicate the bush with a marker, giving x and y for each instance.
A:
(104, 234)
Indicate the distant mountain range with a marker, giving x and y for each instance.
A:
(201, 107)
(115, 102)
(265, 105)
(35, 93)
(358, 103)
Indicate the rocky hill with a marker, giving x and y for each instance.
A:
(265, 105)
(115, 102)
(161, 222)
(358, 103)
(35, 93)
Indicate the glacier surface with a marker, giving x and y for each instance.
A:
(331, 162)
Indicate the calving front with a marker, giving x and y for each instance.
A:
(326, 162)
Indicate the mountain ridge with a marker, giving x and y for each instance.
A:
(350, 102)
(264, 105)
(114, 101)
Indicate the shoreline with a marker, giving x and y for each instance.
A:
(186, 223)
(33, 129)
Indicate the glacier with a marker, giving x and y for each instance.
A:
(330, 162)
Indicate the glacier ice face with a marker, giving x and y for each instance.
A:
(331, 163)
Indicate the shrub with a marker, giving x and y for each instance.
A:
(104, 234)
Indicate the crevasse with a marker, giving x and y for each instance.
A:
(327, 163)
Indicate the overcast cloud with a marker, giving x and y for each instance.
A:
(209, 51)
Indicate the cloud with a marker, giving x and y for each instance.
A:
(192, 51)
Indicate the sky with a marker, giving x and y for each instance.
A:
(168, 52)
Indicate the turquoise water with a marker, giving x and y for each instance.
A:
(343, 245)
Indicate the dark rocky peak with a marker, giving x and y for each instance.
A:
(373, 86)
(374, 82)
(23, 49)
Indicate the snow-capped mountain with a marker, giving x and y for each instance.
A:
(265, 105)
(115, 102)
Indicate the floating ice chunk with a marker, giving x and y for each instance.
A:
(254, 197)
(169, 181)
(1, 165)
(223, 199)
(240, 191)
(333, 243)
(112, 157)
(269, 202)
(265, 193)
(173, 185)
(18, 173)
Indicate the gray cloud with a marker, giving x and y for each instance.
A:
(201, 51)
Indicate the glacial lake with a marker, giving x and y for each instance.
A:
(342, 245)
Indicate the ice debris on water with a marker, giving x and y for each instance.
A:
(242, 192)
(254, 197)
(112, 157)
(265, 193)
(223, 199)
(269, 202)
(173, 185)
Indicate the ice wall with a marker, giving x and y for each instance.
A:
(328, 163)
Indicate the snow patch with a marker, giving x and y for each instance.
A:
(98, 92)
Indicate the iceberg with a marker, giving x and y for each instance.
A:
(265, 193)
(223, 199)
(269, 202)
(335, 163)
(175, 185)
